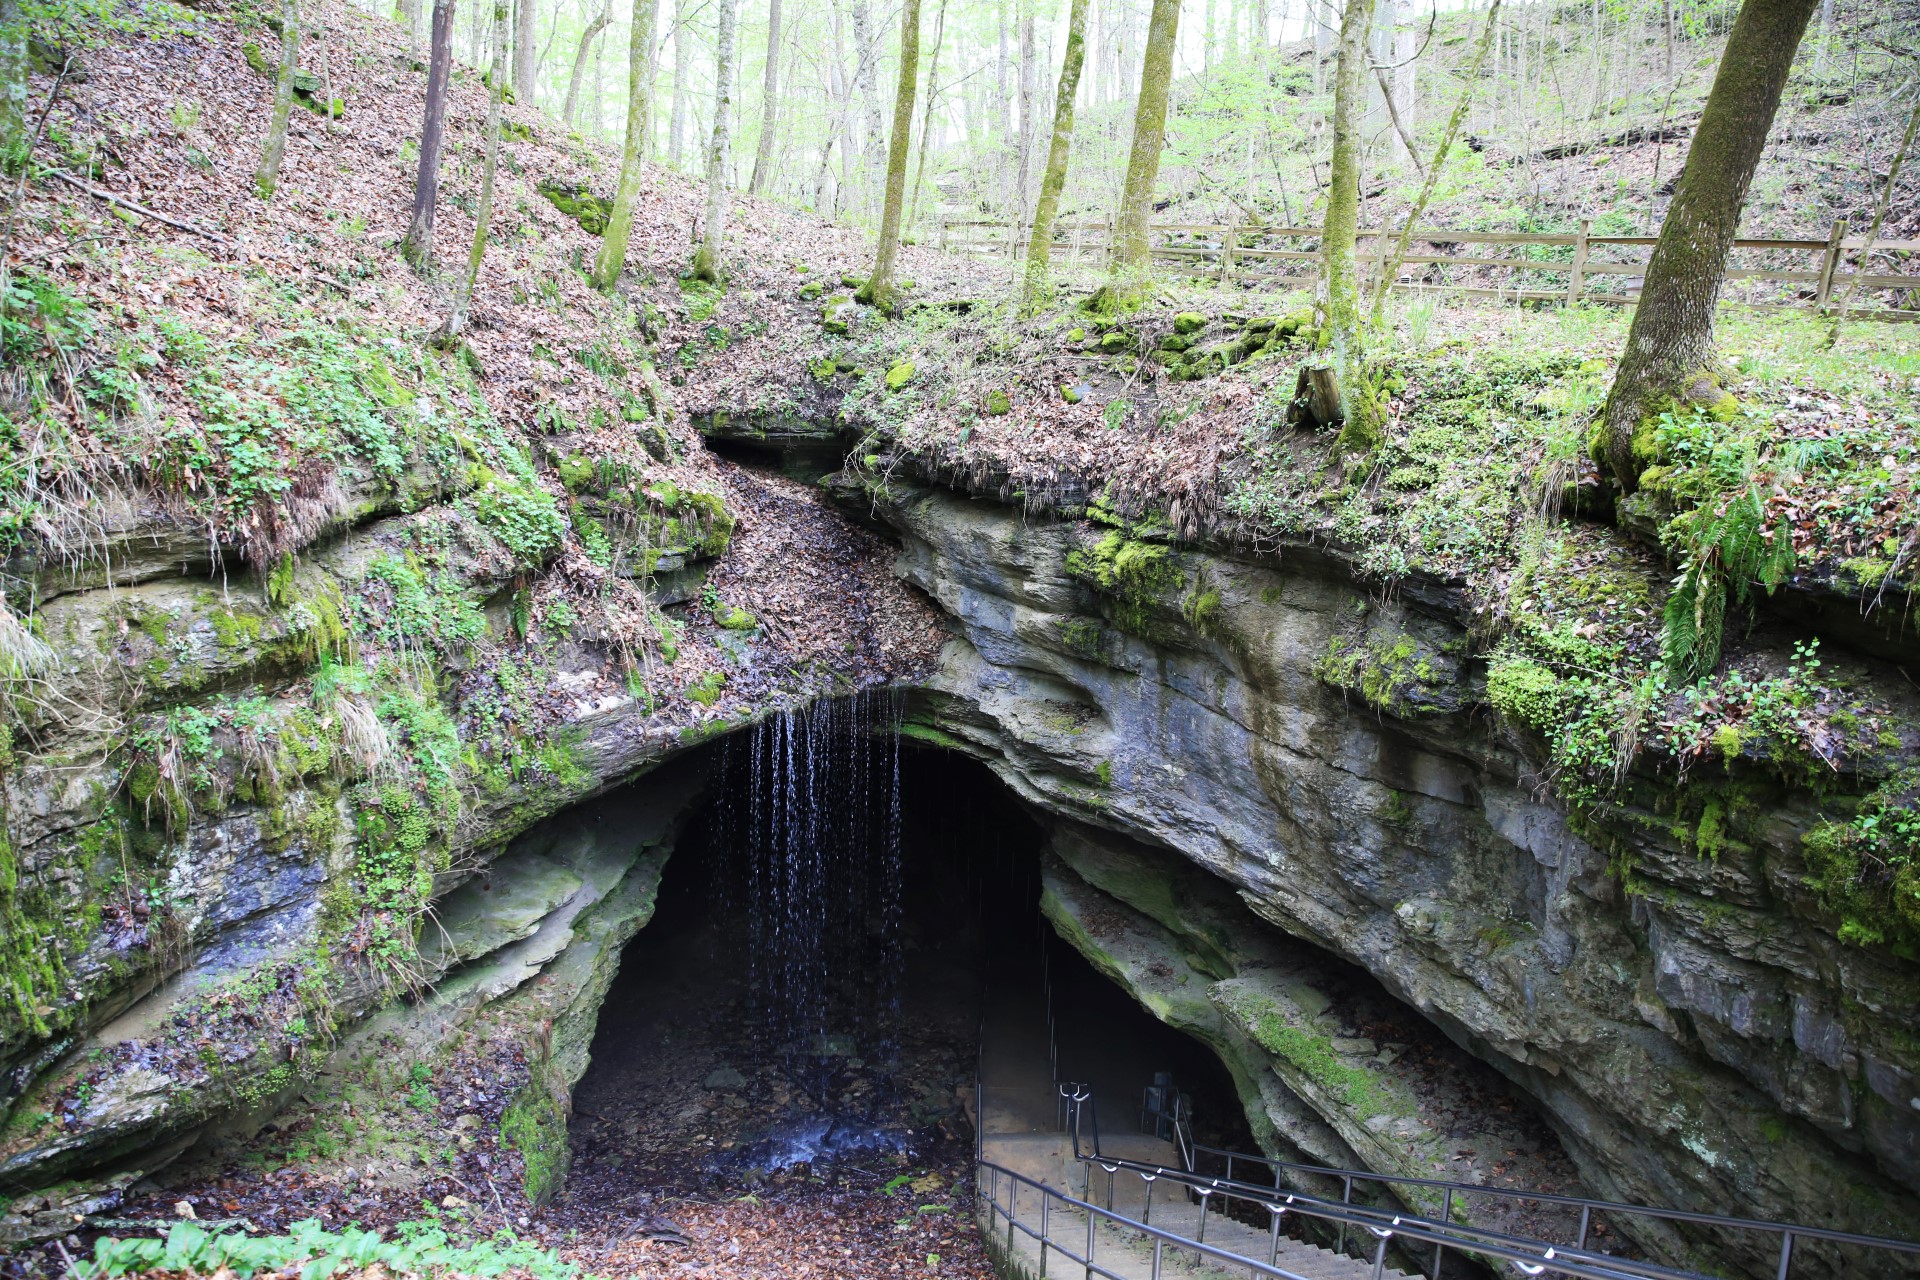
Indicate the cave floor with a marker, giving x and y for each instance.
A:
(699, 1150)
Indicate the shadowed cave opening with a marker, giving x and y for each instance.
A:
(838, 921)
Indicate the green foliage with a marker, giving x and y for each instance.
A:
(707, 689)
(314, 1253)
(534, 1125)
(522, 517)
(1867, 870)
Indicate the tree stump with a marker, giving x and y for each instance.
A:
(1316, 398)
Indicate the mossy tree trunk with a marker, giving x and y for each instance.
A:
(769, 104)
(1340, 272)
(707, 264)
(1040, 244)
(463, 290)
(266, 180)
(1132, 261)
(879, 289)
(926, 114)
(613, 248)
(587, 38)
(417, 248)
(13, 85)
(1669, 351)
(1339, 269)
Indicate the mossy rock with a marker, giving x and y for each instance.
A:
(837, 316)
(823, 368)
(1076, 335)
(900, 375)
(734, 619)
(999, 404)
(812, 289)
(1189, 322)
(576, 472)
(1262, 324)
(512, 131)
(853, 282)
(1076, 393)
(580, 204)
(1177, 342)
(1115, 341)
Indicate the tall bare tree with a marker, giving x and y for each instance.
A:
(417, 248)
(587, 38)
(483, 214)
(769, 104)
(407, 14)
(1669, 353)
(707, 258)
(267, 178)
(613, 249)
(1040, 244)
(526, 17)
(880, 290)
(1341, 304)
(1132, 262)
(682, 74)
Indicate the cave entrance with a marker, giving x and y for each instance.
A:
(844, 926)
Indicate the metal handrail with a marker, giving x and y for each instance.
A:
(1790, 1233)
(1383, 1228)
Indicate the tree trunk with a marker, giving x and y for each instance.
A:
(1824, 39)
(865, 56)
(407, 14)
(1047, 208)
(1401, 98)
(1132, 262)
(587, 38)
(1341, 304)
(267, 178)
(707, 258)
(1670, 345)
(879, 289)
(613, 250)
(525, 29)
(417, 248)
(769, 104)
(483, 216)
(926, 116)
(682, 69)
(13, 85)
(1029, 99)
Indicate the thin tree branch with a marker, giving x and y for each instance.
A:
(142, 210)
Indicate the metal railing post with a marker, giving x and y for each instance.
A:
(1273, 1254)
(1090, 1226)
(1446, 1216)
(1586, 1223)
(1380, 1259)
(1346, 1197)
(1157, 1243)
(1786, 1254)
(1046, 1218)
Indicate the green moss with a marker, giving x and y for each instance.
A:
(1356, 1089)
(535, 1126)
(1082, 636)
(590, 211)
(928, 734)
(998, 403)
(900, 375)
(576, 471)
(1135, 576)
(734, 619)
(1189, 322)
(707, 689)
(1525, 692)
(1105, 773)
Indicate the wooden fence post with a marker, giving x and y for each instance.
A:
(1830, 264)
(1577, 275)
(1226, 250)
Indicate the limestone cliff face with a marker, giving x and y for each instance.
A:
(1690, 1024)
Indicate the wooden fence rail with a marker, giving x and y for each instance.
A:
(1597, 268)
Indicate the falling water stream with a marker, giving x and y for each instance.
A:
(807, 856)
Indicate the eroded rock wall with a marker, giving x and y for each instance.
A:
(1690, 1025)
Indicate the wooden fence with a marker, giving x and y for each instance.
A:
(1569, 267)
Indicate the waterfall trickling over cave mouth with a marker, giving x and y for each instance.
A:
(844, 913)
